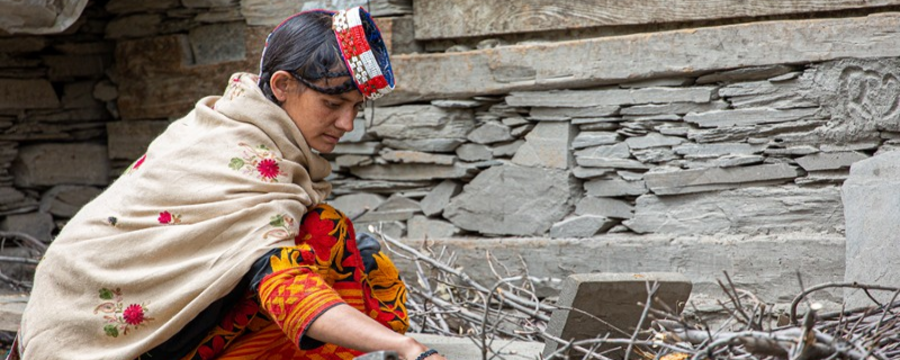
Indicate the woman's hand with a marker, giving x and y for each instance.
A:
(412, 349)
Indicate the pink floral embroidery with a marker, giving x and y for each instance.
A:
(258, 161)
(284, 227)
(166, 217)
(119, 318)
(234, 89)
(137, 164)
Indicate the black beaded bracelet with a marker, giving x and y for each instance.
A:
(426, 354)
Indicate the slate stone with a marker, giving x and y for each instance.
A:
(690, 181)
(438, 198)
(658, 82)
(27, 94)
(583, 226)
(134, 26)
(422, 228)
(457, 104)
(602, 206)
(65, 200)
(742, 133)
(270, 13)
(792, 150)
(395, 208)
(752, 210)
(718, 149)
(55, 164)
(346, 186)
(594, 138)
(602, 126)
(367, 148)
(508, 149)
(219, 15)
(215, 44)
(652, 140)
(474, 152)
(23, 44)
(610, 97)
(751, 116)
(128, 140)
(394, 229)
(733, 160)
(13, 201)
(490, 132)
(566, 113)
(347, 161)
(615, 298)
(120, 7)
(858, 146)
(673, 108)
(520, 130)
(589, 173)
(614, 188)
(105, 90)
(513, 200)
(37, 224)
(412, 172)
(655, 155)
(514, 121)
(745, 74)
(79, 95)
(417, 157)
(423, 127)
(830, 161)
(610, 163)
(547, 146)
(209, 3)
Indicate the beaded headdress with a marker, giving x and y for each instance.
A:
(362, 49)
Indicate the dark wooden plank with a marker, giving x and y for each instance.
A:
(441, 19)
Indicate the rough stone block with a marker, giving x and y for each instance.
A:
(652, 140)
(348, 186)
(680, 108)
(417, 157)
(610, 97)
(55, 164)
(271, 13)
(750, 116)
(128, 140)
(346, 161)
(399, 34)
(513, 200)
(746, 74)
(606, 207)
(594, 138)
(614, 298)
(395, 208)
(583, 226)
(690, 181)
(566, 113)
(434, 203)
(615, 187)
(474, 152)
(215, 44)
(354, 205)
(366, 148)
(40, 225)
(872, 213)
(27, 94)
(830, 161)
(421, 228)
(429, 127)
(412, 172)
(754, 210)
(490, 132)
(120, 7)
(134, 26)
(508, 149)
(65, 200)
(716, 150)
(547, 146)
(66, 67)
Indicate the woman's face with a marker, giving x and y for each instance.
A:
(321, 118)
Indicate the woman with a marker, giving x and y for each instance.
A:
(216, 244)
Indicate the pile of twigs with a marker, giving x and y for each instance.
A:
(445, 300)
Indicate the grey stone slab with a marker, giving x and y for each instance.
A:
(514, 121)
(27, 94)
(655, 155)
(611, 163)
(614, 188)
(566, 113)
(610, 97)
(673, 108)
(603, 206)
(751, 116)
(652, 140)
(395, 208)
(412, 172)
(354, 205)
(209, 3)
(689, 181)
(742, 133)
(871, 211)
(590, 173)
(733, 160)
(134, 26)
(521, 130)
(753, 210)
(105, 90)
(350, 186)
(128, 140)
(745, 74)
(615, 298)
(474, 152)
(508, 149)
(547, 145)
(596, 120)
(716, 150)
(823, 177)
(593, 138)
(457, 104)
(660, 82)
(13, 201)
(79, 95)
(583, 226)
(786, 77)
(39, 225)
(367, 148)
(425, 145)
(358, 134)
(55, 164)
(417, 157)
(799, 150)
(65, 200)
(830, 161)
(120, 7)
(421, 228)
(603, 126)
(347, 161)
(489, 133)
(214, 44)
(394, 229)
(438, 198)
(513, 200)
(270, 13)
(673, 130)
(857, 146)
(422, 123)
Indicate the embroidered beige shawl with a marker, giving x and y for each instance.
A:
(177, 231)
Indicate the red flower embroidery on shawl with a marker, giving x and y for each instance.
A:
(166, 217)
(139, 162)
(268, 169)
(134, 314)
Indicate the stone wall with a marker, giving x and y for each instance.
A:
(597, 131)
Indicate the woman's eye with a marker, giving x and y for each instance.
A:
(332, 105)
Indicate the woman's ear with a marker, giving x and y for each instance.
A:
(281, 85)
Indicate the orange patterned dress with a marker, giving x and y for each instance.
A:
(268, 315)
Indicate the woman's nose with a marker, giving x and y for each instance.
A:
(345, 122)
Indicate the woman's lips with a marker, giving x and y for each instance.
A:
(331, 138)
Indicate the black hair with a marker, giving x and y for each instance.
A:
(305, 46)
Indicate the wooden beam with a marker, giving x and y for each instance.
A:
(441, 19)
(583, 63)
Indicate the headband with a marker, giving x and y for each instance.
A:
(362, 49)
